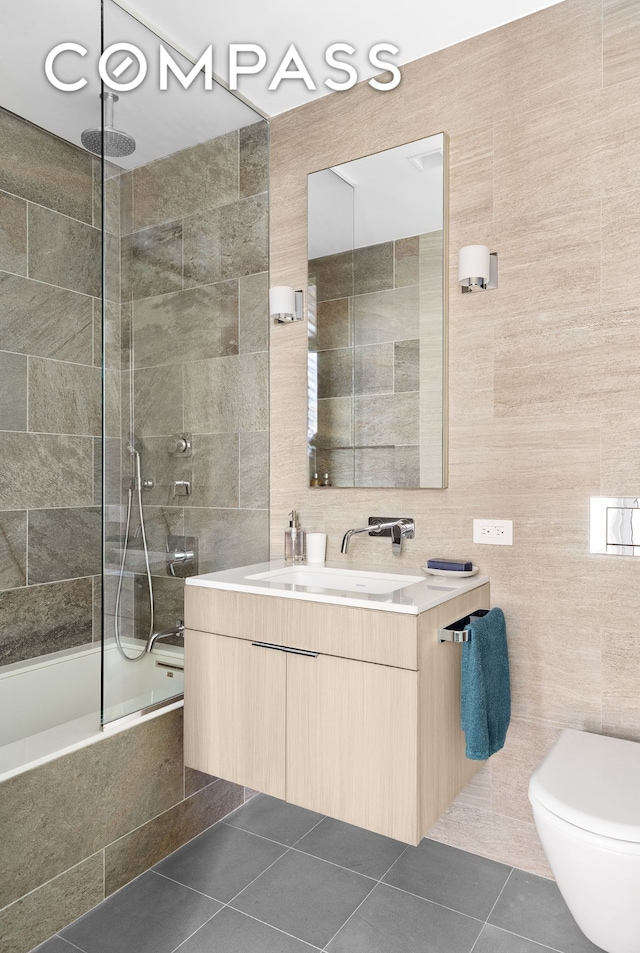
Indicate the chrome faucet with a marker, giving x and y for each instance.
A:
(178, 631)
(397, 529)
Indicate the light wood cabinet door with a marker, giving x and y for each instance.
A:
(235, 697)
(352, 742)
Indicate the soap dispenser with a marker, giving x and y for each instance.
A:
(293, 540)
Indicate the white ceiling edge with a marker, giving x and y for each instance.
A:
(379, 198)
(164, 123)
(417, 28)
(161, 123)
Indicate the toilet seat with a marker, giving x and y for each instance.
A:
(592, 782)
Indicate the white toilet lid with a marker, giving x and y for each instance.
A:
(593, 782)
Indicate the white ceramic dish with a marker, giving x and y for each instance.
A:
(450, 572)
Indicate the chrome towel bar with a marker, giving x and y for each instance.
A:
(458, 631)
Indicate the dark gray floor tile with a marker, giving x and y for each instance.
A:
(533, 907)
(147, 845)
(390, 921)
(452, 877)
(55, 945)
(304, 896)
(494, 940)
(352, 847)
(233, 932)
(273, 818)
(151, 915)
(221, 861)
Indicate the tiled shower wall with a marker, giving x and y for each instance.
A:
(193, 278)
(50, 392)
(367, 322)
(543, 117)
(194, 258)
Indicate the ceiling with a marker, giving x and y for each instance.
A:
(162, 123)
(379, 198)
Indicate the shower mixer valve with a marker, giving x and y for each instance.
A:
(182, 555)
(181, 445)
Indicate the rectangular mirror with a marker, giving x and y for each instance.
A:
(377, 319)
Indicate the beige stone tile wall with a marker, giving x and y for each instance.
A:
(543, 117)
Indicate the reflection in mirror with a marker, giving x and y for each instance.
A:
(377, 319)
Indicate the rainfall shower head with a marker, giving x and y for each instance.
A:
(116, 143)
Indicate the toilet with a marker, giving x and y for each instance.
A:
(585, 797)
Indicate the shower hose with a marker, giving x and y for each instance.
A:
(136, 484)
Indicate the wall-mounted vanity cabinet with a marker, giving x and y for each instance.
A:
(352, 712)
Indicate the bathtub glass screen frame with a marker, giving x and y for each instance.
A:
(180, 323)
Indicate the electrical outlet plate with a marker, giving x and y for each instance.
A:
(493, 532)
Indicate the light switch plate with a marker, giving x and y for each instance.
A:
(493, 532)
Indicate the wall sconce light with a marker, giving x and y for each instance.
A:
(477, 268)
(285, 304)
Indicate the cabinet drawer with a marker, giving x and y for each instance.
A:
(368, 635)
(238, 614)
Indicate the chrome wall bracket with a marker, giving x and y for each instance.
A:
(459, 630)
(407, 525)
(181, 445)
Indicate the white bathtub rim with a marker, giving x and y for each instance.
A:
(87, 731)
(52, 658)
(22, 754)
(78, 651)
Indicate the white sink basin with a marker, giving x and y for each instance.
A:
(331, 583)
(338, 580)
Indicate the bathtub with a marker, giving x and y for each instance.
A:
(50, 706)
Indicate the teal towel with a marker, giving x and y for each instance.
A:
(485, 693)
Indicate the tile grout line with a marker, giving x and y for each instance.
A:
(178, 883)
(49, 881)
(228, 903)
(390, 868)
(298, 850)
(499, 895)
(332, 863)
(435, 903)
(246, 830)
(302, 836)
(352, 914)
(197, 930)
(252, 916)
(236, 895)
(288, 849)
(64, 940)
(378, 883)
(520, 936)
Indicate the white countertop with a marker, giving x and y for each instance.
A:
(413, 599)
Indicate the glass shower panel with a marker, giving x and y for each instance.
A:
(50, 418)
(185, 349)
